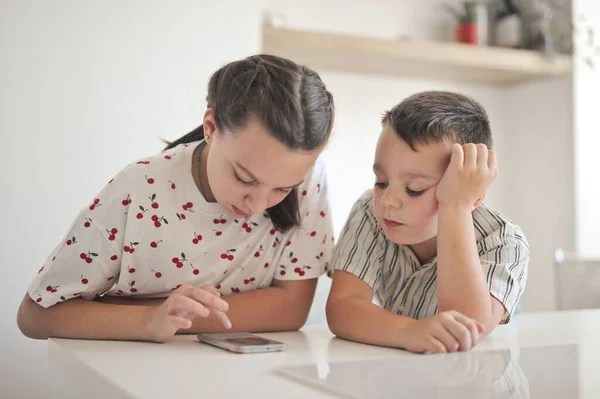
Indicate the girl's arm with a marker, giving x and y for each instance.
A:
(282, 307)
(87, 319)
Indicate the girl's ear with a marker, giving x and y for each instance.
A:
(209, 125)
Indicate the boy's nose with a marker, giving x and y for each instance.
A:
(390, 200)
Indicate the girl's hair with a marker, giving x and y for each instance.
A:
(290, 100)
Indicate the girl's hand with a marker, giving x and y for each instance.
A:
(178, 310)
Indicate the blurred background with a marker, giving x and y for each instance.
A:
(88, 86)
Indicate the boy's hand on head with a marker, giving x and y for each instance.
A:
(178, 310)
(471, 171)
(444, 332)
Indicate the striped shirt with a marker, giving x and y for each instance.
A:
(406, 287)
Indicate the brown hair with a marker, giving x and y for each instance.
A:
(290, 100)
(436, 115)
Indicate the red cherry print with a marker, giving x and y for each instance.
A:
(126, 201)
(95, 205)
(302, 273)
(168, 157)
(197, 238)
(304, 193)
(195, 271)
(218, 286)
(267, 265)
(228, 254)
(314, 233)
(218, 233)
(89, 260)
(83, 256)
(84, 280)
(282, 272)
(39, 299)
(114, 257)
(322, 214)
(140, 215)
(132, 289)
(287, 244)
(156, 274)
(157, 221)
(87, 223)
(110, 278)
(131, 269)
(297, 270)
(173, 186)
(179, 262)
(42, 268)
(272, 232)
(49, 288)
(318, 188)
(256, 254)
(149, 180)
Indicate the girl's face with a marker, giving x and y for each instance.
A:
(248, 170)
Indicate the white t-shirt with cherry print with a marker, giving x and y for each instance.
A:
(150, 230)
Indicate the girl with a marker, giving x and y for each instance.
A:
(230, 223)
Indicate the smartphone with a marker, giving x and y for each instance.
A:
(242, 342)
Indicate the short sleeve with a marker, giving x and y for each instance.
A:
(307, 250)
(361, 246)
(504, 256)
(87, 261)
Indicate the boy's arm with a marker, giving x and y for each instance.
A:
(461, 284)
(352, 315)
(282, 307)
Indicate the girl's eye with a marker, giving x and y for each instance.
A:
(413, 193)
(244, 182)
(381, 185)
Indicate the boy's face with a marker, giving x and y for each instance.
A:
(405, 201)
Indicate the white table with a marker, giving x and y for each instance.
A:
(185, 368)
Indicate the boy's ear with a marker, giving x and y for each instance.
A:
(479, 201)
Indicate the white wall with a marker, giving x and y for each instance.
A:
(538, 172)
(87, 87)
(587, 137)
(531, 125)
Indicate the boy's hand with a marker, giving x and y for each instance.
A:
(471, 171)
(443, 333)
(178, 310)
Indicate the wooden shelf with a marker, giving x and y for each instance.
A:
(429, 60)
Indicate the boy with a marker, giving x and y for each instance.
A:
(446, 268)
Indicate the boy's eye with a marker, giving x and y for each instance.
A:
(247, 183)
(413, 193)
(381, 184)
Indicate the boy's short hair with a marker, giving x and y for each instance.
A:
(432, 116)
